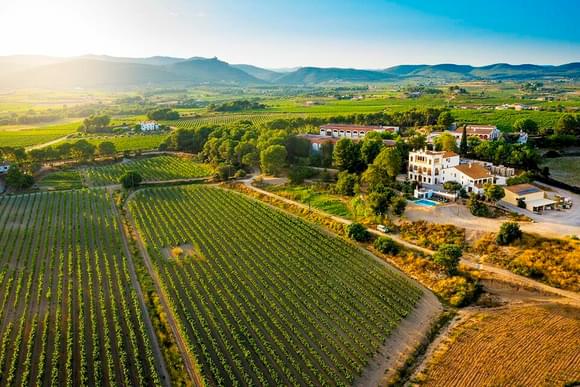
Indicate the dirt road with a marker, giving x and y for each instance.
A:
(470, 260)
(162, 369)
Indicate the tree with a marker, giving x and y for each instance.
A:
(508, 232)
(370, 149)
(445, 119)
(386, 245)
(568, 124)
(131, 179)
(82, 150)
(95, 123)
(272, 159)
(298, 173)
(346, 183)
(493, 192)
(17, 180)
(106, 148)
(389, 161)
(417, 141)
(163, 114)
(398, 205)
(452, 186)
(379, 203)
(448, 256)
(297, 147)
(357, 232)
(477, 207)
(446, 142)
(526, 125)
(346, 155)
(463, 148)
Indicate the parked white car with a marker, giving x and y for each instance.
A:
(383, 228)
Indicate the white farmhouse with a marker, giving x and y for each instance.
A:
(427, 166)
(472, 177)
(148, 126)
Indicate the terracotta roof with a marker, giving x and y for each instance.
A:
(444, 154)
(448, 154)
(475, 171)
(363, 128)
(523, 189)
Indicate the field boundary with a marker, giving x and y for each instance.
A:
(189, 363)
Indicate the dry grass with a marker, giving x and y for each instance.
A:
(515, 346)
(553, 261)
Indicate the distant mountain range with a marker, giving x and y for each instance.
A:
(100, 71)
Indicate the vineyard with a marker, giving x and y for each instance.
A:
(226, 119)
(35, 136)
(68, 315)
(151, 169)
(519, 346)
(128, 143)
(61, 180)
(264, 298)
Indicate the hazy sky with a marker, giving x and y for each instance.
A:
(276, 33)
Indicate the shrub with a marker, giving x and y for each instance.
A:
(398, 205)
(298, 174)
(386, 245)
(478, 207)
(358, 232)
(508, 232)
(131, 179)
(346, 183)
(447, 257)
(452, 186)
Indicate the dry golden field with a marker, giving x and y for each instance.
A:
(513, 346)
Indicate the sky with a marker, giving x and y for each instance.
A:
(276, 33)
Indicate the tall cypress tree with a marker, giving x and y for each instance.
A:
(463, 143)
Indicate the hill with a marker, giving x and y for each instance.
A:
(102, 71)
(202, 70)
(313, 75)
(258, 72)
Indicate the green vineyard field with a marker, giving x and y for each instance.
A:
(68, 315)
(264, 298)
(151, 169)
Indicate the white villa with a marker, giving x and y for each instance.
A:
(148, 126)
(438, 167)
(427, 166)
(353, 131)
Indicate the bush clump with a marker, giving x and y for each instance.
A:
(358, 232)
(386, 245)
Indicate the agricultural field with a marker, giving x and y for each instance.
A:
(67, 314)
(504, 119)
(128, 143)
(27, 136)
(565, 169)
(61, 180)
(533, 345)
(332, 204)
(151, 169)
(265, 298)
(226, 119)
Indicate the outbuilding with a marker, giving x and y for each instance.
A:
(533, 198)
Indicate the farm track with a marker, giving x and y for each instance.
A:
(189, 363)
(470, 261)
(155, 343)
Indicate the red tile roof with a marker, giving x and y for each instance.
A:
(363, 128)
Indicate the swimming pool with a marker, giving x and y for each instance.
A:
(425, 202)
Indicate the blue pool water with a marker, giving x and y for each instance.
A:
(425, 202)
